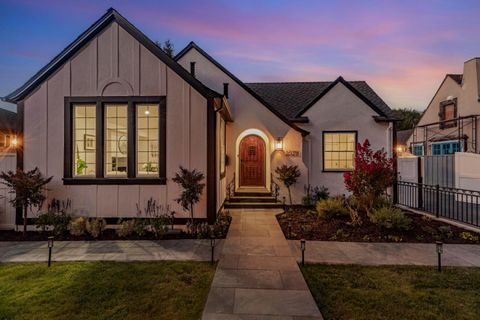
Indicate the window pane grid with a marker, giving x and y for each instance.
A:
(116, 140)
(147, 136)
(84, 137)
(339, 151)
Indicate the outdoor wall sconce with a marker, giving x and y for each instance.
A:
(14, 142)
(212, 245)
(279, 144)
(302, 247)
(50, 246)
(439, 245)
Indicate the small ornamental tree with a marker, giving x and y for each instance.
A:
(28, 188)
(288, 175)
(373, 174)
(191, 183)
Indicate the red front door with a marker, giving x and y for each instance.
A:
(252, 161)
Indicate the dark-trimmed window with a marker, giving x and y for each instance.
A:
(222, 136)
(339, 150)
(447, 113)
(115, 140)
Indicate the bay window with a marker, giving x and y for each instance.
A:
(339, 150)
(115, 140)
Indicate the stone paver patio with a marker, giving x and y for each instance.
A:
(257, 276)
(332, 252)
(125, 250)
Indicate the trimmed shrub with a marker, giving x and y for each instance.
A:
(126, 229)
(78, 226)
(58, 221)
(95, 226)
(390, 218)
(332, 208)
(313, 195)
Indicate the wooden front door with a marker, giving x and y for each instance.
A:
(252, 161)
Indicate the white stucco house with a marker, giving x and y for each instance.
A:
(112, 118)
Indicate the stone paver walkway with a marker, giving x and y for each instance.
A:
(257, 276)
(124, 250)
(332, 252)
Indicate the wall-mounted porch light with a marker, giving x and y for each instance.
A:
(279, 143)
(14, 142)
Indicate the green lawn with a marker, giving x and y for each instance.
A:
(104, 290)
(397, 292)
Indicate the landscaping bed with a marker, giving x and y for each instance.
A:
(394, 292)
(304, 223)
(105, 290)
(63, 227)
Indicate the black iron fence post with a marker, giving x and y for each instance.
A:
(437, 200)
(420, 193)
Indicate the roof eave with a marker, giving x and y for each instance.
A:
(193, 45)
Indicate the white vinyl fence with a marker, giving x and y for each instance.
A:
(8, 161)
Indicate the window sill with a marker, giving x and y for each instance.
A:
(337, 171)
(114, 181)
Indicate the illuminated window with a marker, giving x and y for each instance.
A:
(338, 151)
(116, 140)
(147, 139)
(84, 137)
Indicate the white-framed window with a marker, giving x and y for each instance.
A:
(417, 149)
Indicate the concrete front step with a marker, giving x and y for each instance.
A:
(252, 199)
(252, 205)
(252, 194)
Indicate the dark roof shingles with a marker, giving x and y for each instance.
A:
(290, 98)
(8, 119)
(456, 77)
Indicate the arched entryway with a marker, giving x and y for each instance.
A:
(252, 151)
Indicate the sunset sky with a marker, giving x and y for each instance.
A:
(402, 49)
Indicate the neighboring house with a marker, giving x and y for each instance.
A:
(450, 122)
(112, 118)
(8, 131)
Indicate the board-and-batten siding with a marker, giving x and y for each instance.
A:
(115, 64)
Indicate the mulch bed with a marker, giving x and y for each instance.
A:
(303, 223)
(108, 234)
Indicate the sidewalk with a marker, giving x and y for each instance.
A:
(257, 276)
(124, 250)
(332, 252)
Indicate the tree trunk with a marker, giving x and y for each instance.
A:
(25, 212)
(289, 195)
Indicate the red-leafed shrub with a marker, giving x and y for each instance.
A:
(373, 174)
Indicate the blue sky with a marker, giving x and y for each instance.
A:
(402, 49)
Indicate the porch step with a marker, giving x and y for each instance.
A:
(246, 199)
(252, 205)
(262, 194)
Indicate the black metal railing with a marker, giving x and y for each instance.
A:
(274, 187)
(452, 203)
(231, 188)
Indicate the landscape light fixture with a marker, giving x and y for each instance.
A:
(279, 144)
(439, 246)
(50, 246)
(302, 247)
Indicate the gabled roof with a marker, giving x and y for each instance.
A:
(8, 120)
(294, 98)
(110, 16)
(193, 45)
